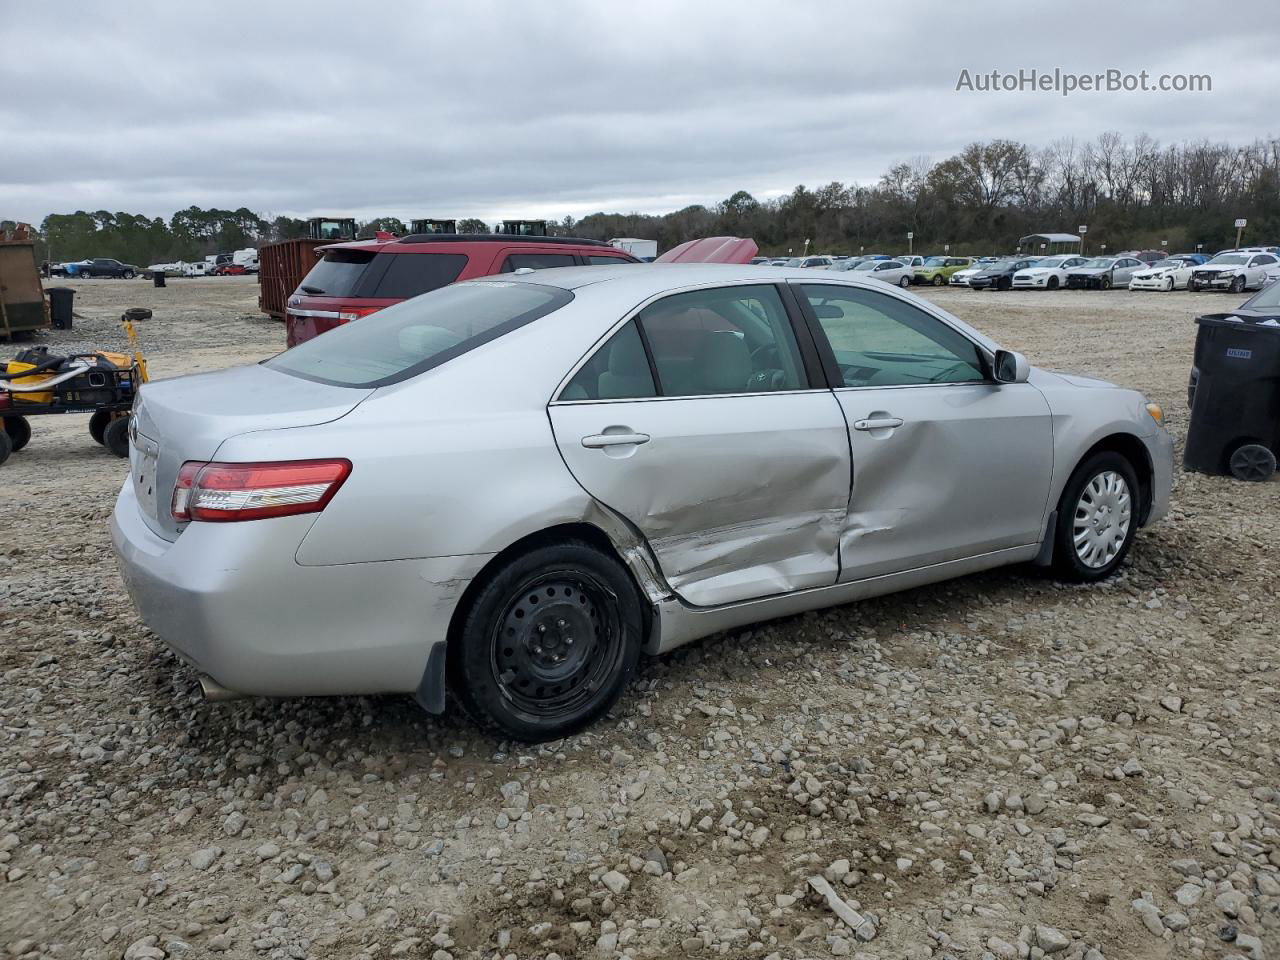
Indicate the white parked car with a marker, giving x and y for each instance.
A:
(1048, 274)
(890, 271)
(515, 485)
(961, 277)
(819, 262)
(911, 260)
(1233, 270)
(1171, 274)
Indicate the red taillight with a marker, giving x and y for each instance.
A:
(225, 492)
(347, 314)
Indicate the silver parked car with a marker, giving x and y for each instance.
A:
(516, 485)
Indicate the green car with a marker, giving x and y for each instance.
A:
(938, 270)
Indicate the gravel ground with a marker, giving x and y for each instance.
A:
(999, 766)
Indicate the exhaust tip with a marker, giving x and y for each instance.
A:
(215, 692)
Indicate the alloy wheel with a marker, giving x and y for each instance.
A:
(1102, 518)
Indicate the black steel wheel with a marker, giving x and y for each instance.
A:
(6, 446)
(548, 642)
(116, 436)
(18, 430)
(98, 423)
(1252, 462)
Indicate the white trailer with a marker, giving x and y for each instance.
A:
(641, 249)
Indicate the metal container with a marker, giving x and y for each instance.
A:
(281, 267)
(22, 303)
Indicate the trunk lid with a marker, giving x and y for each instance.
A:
(188, 418)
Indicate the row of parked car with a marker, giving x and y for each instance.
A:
(1238, 270)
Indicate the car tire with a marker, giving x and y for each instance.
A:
(1252, 462)
(1238, 283)
(18, 429)
(1105, 283)
(1192, 286)
(548, 643)
(1004, 283)
(939, 280)
(904, 282)
(6, 446)
(116, 437)
(128, 275)
(1052, 284)
(1097, 518)
(98, 424)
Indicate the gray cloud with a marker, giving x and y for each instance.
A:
(501, 109)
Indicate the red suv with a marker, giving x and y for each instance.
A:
(355, 279)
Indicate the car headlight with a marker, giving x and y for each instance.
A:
(1157, 414)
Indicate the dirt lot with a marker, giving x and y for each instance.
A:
(998, 766)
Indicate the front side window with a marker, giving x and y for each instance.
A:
(537, 261)
(409, 338)
(881, 341)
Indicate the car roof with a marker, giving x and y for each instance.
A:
(422, 242)
(657, 277)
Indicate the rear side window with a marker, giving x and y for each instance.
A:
(618, 370)
(411, 274)
(409, 338)
(338, 274)
(538, 261)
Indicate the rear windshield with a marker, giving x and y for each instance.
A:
(411, 337)
(337, 274)
(393, 276)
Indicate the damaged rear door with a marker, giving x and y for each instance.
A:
(705, 422)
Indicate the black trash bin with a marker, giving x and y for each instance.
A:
(1234, 394)
(157, 278)
(60, 310)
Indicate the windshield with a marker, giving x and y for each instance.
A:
(935, 261)
(416, 335)
(1268, 298)
(1097, 262)
(868, 265)
(794, 262)
(1229, 258)
(1166, 264)
(1052, 262)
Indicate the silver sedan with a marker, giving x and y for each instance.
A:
(516, 485)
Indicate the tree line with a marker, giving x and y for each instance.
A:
(1131, 192)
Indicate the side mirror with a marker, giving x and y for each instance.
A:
(1011, 367)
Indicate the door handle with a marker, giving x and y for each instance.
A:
(881, 423)
(598, 440)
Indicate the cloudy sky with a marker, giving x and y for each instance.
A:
(544, 108)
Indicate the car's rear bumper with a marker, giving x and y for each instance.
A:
(232, 601)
